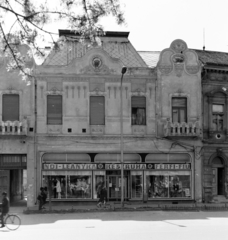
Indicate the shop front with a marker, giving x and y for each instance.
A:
(169, 176)
(13, 176)
(77, 177)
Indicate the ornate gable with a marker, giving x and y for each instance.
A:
(178, 58)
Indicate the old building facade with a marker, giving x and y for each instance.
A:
(78, 122)
(16, 129)
(215, 152)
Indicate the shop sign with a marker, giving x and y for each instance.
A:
(69, 166)
(125, 166)
(171, 166)
(117, 166)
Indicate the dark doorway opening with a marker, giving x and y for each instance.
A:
(221, 180)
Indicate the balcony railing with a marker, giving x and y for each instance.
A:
(182, 129)
(13, 128)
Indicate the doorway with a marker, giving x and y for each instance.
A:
(114, 187)
(221, 181)
(14, 182)
(218, 176)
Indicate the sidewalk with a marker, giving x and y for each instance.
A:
(116, 206)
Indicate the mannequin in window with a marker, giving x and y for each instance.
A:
(58, 188)
(177, 187)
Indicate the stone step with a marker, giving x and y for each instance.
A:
(220, 199)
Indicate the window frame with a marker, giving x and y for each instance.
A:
(4, 119)
(49, 120)
(179, 108)
(93, 119)
(214, 113)
(139, 107)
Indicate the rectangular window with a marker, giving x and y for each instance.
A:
(179, 110)
(138, 111)
(54, 109)
(218, 115)
(97, 110)
(10, 107)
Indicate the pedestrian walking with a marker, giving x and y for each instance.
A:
(4, 208)
(42, 198)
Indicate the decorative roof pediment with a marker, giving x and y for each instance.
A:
(178, 58)
(95, 62)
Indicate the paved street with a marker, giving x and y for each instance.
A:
(122, 225)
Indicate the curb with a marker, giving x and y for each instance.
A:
(136, 209)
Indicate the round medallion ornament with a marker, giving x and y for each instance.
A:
(96, 62)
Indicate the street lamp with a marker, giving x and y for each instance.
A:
(123, 71)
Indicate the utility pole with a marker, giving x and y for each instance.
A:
(124, 69)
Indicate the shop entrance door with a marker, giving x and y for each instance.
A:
(4, 181)
(218, 181)
(221, 181)
(114, 187)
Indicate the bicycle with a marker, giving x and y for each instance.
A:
(12, 221)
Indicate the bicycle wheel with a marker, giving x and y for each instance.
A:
(12, 222)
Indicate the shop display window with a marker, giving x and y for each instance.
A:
(168, 185)
(137, 184)
(79, 186)
(58, 185)
(99, 180)
(72, 185)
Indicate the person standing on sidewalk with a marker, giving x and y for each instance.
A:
(103, 196)
(4, 207)
(42, 198)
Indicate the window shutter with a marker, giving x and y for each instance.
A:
(54, 109)
(179, 102)
(138, 102)
(97, 110)
(10, 111)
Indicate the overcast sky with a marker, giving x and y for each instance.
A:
(154, 24)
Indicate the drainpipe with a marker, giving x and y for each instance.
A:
(155, 107)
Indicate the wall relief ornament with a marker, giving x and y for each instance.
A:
(178, 46)
(178, 68)
(178, 58)
(165, 69)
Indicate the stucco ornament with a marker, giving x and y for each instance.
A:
(96, 63)
(178, 59)
(178, 46)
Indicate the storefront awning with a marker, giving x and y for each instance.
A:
(66, 157)
(116, 157)
(168, 158)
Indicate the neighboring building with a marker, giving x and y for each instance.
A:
(16, 130)
(178, 118)
(213, 150)
(215, 125)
